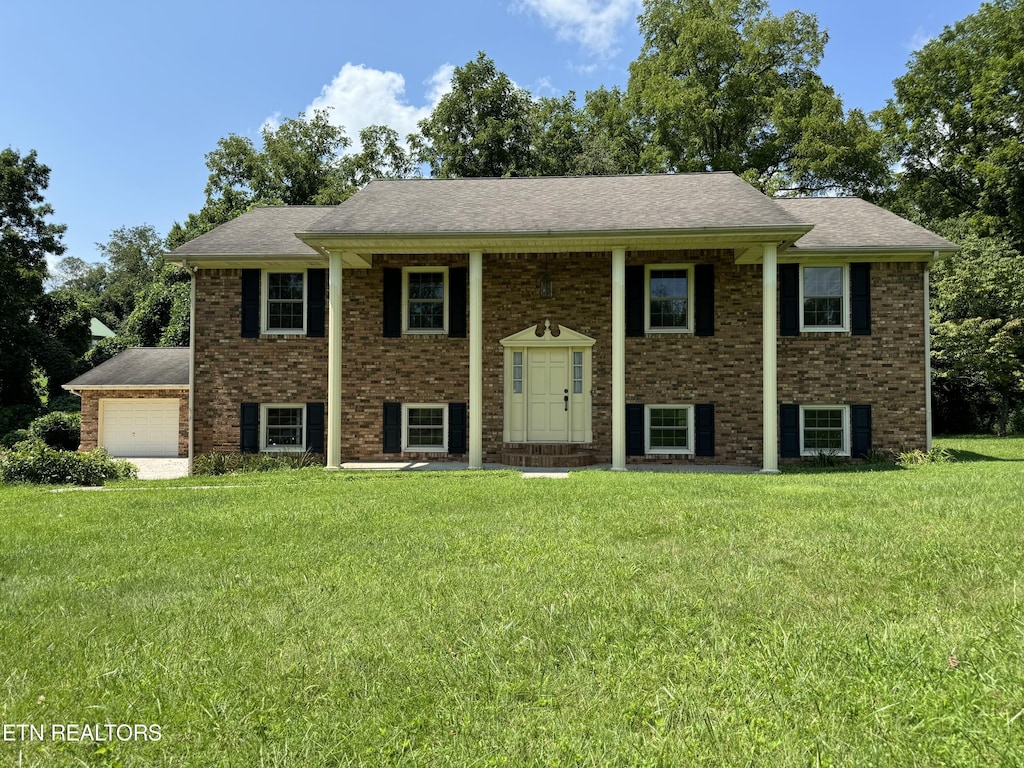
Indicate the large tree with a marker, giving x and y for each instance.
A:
(482, 127)
(727, 85)
(299, 162)
(26, 239)
(956, 121)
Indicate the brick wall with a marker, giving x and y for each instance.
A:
(885, 369)
(91, 410)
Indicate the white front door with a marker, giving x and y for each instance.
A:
(547, 384)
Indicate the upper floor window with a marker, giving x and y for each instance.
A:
(425, 300)
(284, 298)
(824, 298)
(668, 292)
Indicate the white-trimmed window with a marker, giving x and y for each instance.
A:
(284, 302)
(425, 300)
(824, 429)
(283, 427)
(825, 298)
(668, 428)
(668, 298)
(425, 427)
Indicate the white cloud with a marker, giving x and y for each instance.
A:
(359, 96)
(593, 24)
(919, 39)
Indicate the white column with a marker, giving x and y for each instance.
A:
(334, 364)
(619, 359)
(476, 359)
(770, 418)
(927, 358)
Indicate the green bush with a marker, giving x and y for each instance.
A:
(67, 403)
(225, 463)
(33, 461)
(918, 457)
(58, 430)
(12, 438)
(16, 417)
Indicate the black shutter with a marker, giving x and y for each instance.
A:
(315, 427)
(704, 416)
(457, 278)
(316, 302)
(704, 299)
(250, 303)
(860, 443)
(457, 431)
(635, 301)
(392, 303)
(789, 300)
(249, 433)
(789, 431)
(860, 298)
(635, 443)
(392, 427)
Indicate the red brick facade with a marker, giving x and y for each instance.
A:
(885, 370)
(91, 411)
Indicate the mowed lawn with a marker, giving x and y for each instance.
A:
(475, 619)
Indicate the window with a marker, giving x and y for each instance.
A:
(425, 300)
(669, 428)
(284, 296)
(669, 298)
(425, 428)
(824, 429)
(517, 373)
(283, 428)
(577, 373)
(824, 299)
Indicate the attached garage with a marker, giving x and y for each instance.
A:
(136, 403)
(141, 428)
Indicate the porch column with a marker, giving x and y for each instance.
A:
(476, 359)
(769, 323)
(334, 364)
(619, 359)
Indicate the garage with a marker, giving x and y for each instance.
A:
(136, 403)
(139, 428)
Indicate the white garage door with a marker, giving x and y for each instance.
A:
(141, 428)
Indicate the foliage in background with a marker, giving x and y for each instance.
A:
(33, 461)
(26, 239)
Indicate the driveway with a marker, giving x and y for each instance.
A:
(161, 469)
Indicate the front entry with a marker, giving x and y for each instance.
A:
(547, 407)
(547, 386)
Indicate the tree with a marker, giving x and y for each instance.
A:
(726, 85)
(482, 127)
(381, 157)
(134, 258)
(299, 163)
(26, 238)
(956, 121)
(978, 334)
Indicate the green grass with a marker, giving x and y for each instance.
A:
(313, 619)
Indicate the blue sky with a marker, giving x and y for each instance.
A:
(123, 99)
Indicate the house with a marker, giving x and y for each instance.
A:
(98, 331)
(626, 320)
(136, 403)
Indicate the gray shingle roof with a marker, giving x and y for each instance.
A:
(260, 232)
(139, 367)
(689, 201)
(849, 223)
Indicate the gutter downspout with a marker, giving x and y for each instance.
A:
(191, 363)
(928, 352)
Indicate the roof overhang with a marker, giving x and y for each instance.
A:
(77, 389)
(363, 245)
(853, 254)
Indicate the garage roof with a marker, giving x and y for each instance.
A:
(138, 367)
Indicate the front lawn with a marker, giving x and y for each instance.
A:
(314, 619)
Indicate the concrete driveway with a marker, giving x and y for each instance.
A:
(161, 469)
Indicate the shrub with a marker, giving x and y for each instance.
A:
(67, 403)
(225, 463)
(58, 430)
(918, 457)
(33, 461)
(16, 417)
(11, 438)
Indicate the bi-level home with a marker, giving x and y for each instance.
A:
(618, 320)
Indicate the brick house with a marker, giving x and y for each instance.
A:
(626, 320)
